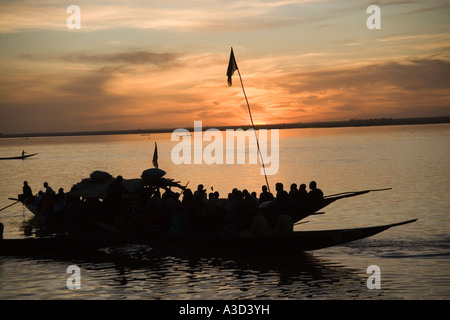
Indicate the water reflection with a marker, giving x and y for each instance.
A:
(137, 272)
(128, 272)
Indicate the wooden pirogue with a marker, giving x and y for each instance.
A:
(21, 157)
(299, 241)
(293, 242)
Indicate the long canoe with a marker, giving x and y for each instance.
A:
(297, 242)
(19, 157)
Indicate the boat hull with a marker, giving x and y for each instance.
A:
(270, 245)
(19, 157)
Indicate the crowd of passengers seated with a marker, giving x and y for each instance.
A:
(196, 213)
(46, 201)
(205, 213)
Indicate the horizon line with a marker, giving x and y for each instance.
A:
(296, 125)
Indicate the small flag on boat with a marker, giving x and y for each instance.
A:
(232, 67)
(155, 157)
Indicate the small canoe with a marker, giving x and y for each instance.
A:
(297, 242)
(19, 157)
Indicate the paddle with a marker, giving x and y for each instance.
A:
(9, 205)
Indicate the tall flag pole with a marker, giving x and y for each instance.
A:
(232, 67)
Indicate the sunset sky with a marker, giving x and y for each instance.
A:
(158, 64)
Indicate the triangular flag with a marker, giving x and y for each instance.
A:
(155, 157)
(232, 67)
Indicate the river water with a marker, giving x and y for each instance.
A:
(413, 260)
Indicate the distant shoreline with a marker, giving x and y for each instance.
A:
(299, 125)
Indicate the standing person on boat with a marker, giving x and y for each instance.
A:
(315, 194)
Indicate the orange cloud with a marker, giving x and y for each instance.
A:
(117, 91)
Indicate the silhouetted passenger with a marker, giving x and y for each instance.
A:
(114, 196)
(188, 197)
(60, 196)
(249, 200)
(27, 194)
(38, 200)
(200, 193)
(302, 193)
(154, 209)
(239, 218)
(315, 194)
(265, 196)
(60, 201)
(294, 194)
(282, 195)
(302, 190)
(169, 206)
(48, 189)
(212, 204)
